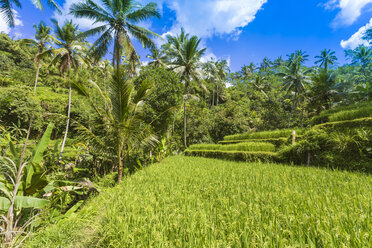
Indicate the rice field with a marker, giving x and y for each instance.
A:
(200, 202)
(246, 146)
(281, 133)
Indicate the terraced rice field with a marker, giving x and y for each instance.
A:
(200, 202)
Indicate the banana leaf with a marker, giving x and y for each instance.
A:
(29, 202)
(4, 204)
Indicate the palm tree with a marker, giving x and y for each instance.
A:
(157, 57)
(124, 130)
(265, 65)
(222, 70)
(117, 22)
(43, 36)
(247, 71)
(183, 56)
(6, 8)
(69, 54)
(327, 57)
(323, 89)
(295, 77)
(360, 56)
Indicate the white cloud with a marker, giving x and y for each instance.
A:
(4, 28)
(350, 10)
(213, 17)
(84, 23)
(356, 39)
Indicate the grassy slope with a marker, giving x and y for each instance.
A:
(199, 202)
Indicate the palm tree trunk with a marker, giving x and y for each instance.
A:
(120, 164)
(68, 120)
(212, 98)
(184, 123)
(217, 96)
(37, 75)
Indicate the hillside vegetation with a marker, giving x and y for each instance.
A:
(198, 202)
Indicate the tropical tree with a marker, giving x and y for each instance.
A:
(295, 77)
(326, 58)
(124, 128)
(6, 8)
(117, 21)
(247, 71)
(265, 65)
(183, 56)
(323, 90)
(368, 36)
(43, 36)
(68, 55)
(360, 56)
(157, 57)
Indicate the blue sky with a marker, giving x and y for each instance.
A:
(242, 31)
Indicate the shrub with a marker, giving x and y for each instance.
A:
(349, 149)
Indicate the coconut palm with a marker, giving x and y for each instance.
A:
(265, 65)
(43, 36)
(183, 56)
(327, 57)
(295, 77)
(323, 89)
(68, 55)
(124, 129)
(360, 56)
(157, 57)
(247, 71)
(117, 20)
(6, 8)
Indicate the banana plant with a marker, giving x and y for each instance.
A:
(21, 184)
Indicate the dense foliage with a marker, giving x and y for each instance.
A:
(113, 117)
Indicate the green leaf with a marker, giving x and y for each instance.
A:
(13, 149)
(37, 154)
(29, 202)
(4, 203)
(4, 189)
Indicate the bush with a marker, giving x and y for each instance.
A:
(235, 155)
(18, 105)
(248, 146)
(349, 149)
(282, 133)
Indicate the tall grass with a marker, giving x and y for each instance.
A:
(246, 147)
(198, 202)
(325, 116)
(282, 133)
(351, 114)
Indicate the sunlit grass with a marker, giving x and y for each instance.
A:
(199, 202)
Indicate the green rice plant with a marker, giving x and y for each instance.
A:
(275, 141)
(351, 114)
(259, 156)
(324, 116)
(199, 202)
(247, 146)
(281, 133)
(356, 123)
